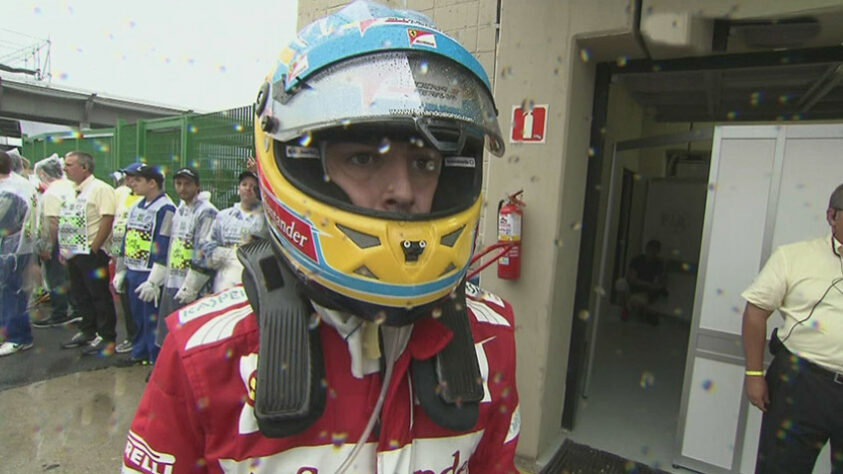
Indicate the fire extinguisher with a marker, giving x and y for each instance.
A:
(510, 222)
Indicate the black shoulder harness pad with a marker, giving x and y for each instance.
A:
(289, 395)
(449, 386)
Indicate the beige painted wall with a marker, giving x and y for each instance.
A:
(680, 28)
(540, 58)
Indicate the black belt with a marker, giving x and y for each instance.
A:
(836, 377)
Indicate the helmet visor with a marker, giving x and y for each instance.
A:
(383, 87)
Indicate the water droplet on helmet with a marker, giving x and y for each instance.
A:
(384, 146)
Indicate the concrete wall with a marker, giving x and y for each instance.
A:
(679, 28)
(541, 59)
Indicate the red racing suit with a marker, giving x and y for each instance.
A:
(196, 414)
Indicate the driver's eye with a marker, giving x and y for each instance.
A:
(361, 159)
(429, 165)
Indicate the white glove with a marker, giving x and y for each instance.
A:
(193, 282)
(118, 281)
(221, 255)
(150, 290)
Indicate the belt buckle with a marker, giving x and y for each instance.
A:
(838, 378)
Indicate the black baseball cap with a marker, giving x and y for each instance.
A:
(132, 169)
(248, 174)
(150, 172)
(187, 172)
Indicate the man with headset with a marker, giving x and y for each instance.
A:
(802, 393)
(354, 343)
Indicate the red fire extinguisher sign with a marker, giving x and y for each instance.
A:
(528, 124)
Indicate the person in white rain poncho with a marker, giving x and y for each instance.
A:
(186, 276)
(57, 190)
(233, 227)
(17, 234)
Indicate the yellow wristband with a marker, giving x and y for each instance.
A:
(755, 372)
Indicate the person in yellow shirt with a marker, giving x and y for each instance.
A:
(802, 393)
(84, 228)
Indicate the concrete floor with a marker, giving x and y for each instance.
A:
(636, 388)
(76, 423)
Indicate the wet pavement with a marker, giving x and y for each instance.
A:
(76, 423)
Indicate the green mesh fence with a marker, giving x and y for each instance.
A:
(216, 145)
(128, 144)
(99, 144)
(163, 150)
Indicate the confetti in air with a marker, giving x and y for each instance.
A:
(314, 321)
(99, 273)
(338, 439)
(647, 380)
(527, 105)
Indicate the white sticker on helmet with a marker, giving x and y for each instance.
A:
(460, 161)
(302, 152)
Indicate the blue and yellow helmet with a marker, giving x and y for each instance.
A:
(375, 72)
